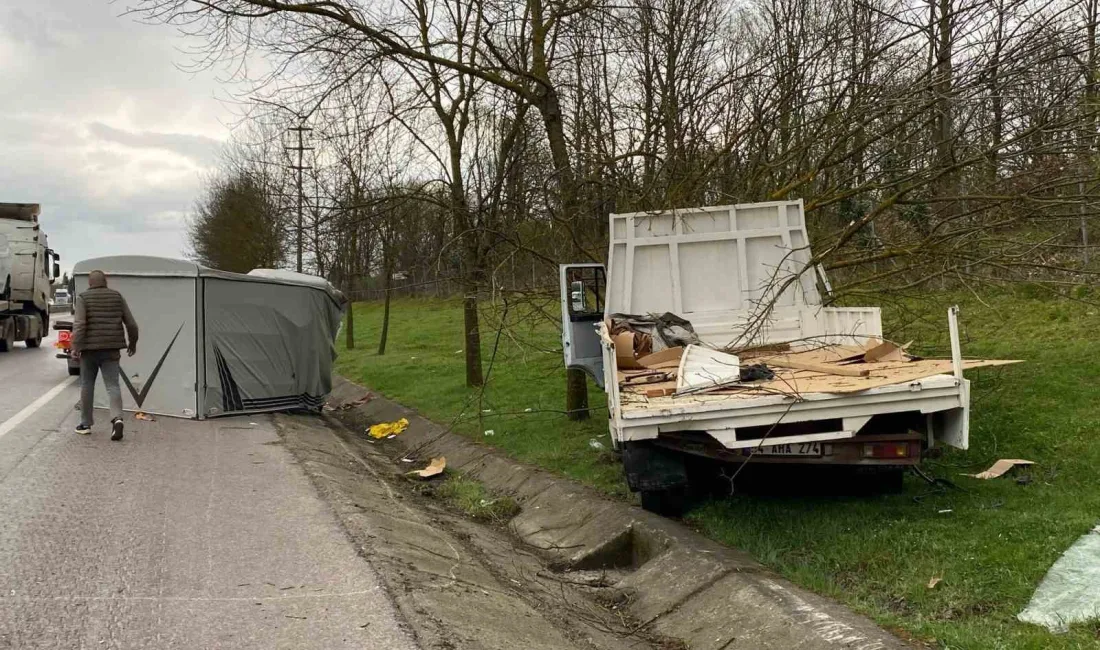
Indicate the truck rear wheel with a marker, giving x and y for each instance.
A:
(671, 502)
(7, 340)
(34, 343)
(74, 371)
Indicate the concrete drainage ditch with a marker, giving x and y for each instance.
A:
(645, 579)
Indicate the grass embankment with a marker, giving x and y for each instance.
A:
(990, 545)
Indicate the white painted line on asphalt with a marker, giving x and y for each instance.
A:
(19, 417)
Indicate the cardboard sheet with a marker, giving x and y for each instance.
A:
(669, 358)
(624, 351)
(1000, 467)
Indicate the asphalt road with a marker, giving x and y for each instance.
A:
(183, 535)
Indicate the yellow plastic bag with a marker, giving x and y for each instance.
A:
(387, 429)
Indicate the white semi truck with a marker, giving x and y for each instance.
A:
(28, 268)
(740, 275)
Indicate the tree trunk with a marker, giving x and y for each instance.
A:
(386, 309)
(549, 107)
(576, 394)
(353, 259)
(472, 337)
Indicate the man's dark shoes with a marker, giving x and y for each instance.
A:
(116, 427)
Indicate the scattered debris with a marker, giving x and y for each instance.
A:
(660, 392)
(756, 372)
(434, 468)
(946, 512)
(595, 444)
(350, 405)
(630, 346)
(669, 358)
(886, 351)
(934, 581)
(388, 429)
(1070, 591)
(1000, 467)
(702, 369)
(144, 417)
(490, 432)
(786, 361)
(664, 331)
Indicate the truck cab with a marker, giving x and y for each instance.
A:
(741, 277)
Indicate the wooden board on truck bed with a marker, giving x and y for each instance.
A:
(799, 382)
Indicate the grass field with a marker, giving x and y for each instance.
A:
(990, 543)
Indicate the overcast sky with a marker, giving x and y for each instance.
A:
(99, 124)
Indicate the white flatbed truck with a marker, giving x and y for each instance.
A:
(716, 267)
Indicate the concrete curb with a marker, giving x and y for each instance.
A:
(680, 583)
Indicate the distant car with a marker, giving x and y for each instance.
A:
(64, 329)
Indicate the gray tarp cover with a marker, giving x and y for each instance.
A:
(215, 343)
(268, 346)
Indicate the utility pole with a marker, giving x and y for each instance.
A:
(301, 149)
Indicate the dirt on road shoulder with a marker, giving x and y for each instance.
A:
(460, 583)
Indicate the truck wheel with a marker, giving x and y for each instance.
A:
(7, 342)
(891, 481)
(667, 503)
(74, 371)
(33, 343)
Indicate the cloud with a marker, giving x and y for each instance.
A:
(103, 128)
(200, 149)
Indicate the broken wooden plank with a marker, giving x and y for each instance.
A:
(824, 368)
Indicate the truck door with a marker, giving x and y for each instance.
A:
(583, 287)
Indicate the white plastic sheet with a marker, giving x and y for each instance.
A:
(1070, 592)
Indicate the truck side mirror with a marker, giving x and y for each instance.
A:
(56, 270)
(576, 296)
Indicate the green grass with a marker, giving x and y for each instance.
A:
(877, 554)
(523, 402)
(475, 501)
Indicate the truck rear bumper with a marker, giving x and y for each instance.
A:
(739, 423)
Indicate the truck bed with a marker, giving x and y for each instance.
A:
(793, 396)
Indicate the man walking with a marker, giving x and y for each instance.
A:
(101, 316)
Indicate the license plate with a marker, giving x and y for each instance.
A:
(792, 449)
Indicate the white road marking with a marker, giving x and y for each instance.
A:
(30, 410)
